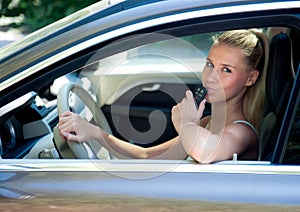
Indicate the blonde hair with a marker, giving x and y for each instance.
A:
(255, 47)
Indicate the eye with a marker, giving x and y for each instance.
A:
(227, 70)
(209, 64)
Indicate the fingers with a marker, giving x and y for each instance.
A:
(201, 107)
(65, 117)
(175, 108)
(66, 125)
(189, 95)
(66, 113)
(64, 122)
(66, 128)
(70, 136)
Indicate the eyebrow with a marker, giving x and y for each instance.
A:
(227, 65)
(223, 64)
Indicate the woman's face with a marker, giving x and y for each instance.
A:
(225, 74)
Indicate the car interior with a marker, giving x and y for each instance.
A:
(133, 90)
(278, 85)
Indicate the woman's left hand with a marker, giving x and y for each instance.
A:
(187, 112)
(73, 127)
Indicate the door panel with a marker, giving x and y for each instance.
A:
(143, 116)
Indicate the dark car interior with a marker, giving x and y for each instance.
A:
(278, 87)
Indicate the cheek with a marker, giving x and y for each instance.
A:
(232, 85)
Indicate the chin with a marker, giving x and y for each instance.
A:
(215, 100)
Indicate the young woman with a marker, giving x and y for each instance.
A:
(234, 78)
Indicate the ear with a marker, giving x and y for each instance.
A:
(252, 78)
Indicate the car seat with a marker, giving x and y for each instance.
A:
(279, 80)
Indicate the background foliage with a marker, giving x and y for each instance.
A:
(39, 13)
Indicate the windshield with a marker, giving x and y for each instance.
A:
(56, 26)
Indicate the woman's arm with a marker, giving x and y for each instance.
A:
(202, 145)
(73, 128)
(206, 147)
(171, 149)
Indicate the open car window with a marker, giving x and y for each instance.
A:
(129, 78)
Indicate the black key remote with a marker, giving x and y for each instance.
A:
(199, 94)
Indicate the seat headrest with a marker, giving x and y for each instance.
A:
(280, 73)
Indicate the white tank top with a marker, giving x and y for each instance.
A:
(247, 123)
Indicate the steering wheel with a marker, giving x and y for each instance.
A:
(85, 150)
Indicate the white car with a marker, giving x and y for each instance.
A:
(123, 65)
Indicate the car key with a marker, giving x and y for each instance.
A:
(199, 94)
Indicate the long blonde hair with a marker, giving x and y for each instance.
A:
(255, 47)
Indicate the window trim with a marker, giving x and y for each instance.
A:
(289, 116)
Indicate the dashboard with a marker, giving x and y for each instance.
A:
(23, 122)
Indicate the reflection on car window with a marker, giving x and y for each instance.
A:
(172, 55)
(292, 154)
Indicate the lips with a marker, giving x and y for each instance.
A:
(210, 90)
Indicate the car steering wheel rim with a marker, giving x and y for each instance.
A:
(79, 150)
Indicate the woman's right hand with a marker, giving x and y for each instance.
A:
(187, 112)
(73, 127)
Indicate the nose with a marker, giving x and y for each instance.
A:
(212, 76)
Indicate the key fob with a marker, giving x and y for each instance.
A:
(199, 94)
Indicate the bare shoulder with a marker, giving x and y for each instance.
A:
(237, 138)
(243, 131)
